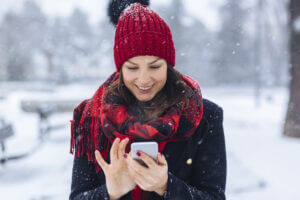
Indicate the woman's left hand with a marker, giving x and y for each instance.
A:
(154, 178)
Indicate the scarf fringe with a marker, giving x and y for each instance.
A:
(84, 137)
(72, 137)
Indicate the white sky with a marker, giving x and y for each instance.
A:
(205, 10)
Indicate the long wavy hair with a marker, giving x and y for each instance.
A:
(174, 91)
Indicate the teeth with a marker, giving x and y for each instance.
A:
(142, 88)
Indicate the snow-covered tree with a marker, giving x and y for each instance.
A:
(233, 56)
(192, 41)
(15, 55)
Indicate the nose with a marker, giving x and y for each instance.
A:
(144, 78)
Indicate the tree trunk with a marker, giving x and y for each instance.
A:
(49, 58)
(292, 121)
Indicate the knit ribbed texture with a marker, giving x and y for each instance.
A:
(140, 31)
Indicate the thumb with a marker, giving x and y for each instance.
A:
(161, 159)
(100, 160)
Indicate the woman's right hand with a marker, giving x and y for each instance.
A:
(118, 181)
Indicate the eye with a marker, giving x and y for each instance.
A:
(131, 68)
(155, 67)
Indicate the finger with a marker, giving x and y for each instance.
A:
(122, 147)
(139, 181)
(135, 175)
(114, 149)
(134, 165)
(142, 182)
(147, 159)
(143, 178)
(100, 160)
(161, 159)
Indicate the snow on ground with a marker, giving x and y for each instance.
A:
(262, 164)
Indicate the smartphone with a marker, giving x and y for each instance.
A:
(150, 148)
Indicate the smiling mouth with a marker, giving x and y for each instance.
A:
(144, 89)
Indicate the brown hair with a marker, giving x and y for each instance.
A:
(174, 91)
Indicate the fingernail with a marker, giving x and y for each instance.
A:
(138, 154)
(125, 155)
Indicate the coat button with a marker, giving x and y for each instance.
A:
(189, 161)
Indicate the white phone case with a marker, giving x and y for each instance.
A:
(150, 148)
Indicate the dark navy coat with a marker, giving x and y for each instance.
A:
(197, 166)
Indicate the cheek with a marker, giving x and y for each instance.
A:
(128, 79)
(161, 77)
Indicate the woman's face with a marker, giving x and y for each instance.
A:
(144, 76)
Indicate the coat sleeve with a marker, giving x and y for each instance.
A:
(86, 184)
(208, 177)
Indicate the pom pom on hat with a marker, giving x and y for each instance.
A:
(116, 7)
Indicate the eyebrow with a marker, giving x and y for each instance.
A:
(148, 63)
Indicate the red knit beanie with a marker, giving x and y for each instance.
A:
(140, 31)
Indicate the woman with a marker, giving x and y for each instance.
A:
(146, 99)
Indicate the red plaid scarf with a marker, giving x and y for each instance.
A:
(100, 123)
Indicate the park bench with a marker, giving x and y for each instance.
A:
(45, 109)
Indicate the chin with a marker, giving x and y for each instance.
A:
(144, 99)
